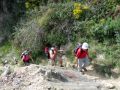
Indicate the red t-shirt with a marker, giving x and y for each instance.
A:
(81, 53)
(25, 58)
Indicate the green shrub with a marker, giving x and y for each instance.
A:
(52, 26)
(55, 24)
(118, 1)
(5, 48)
(29, 36)
(102, 9)
(111, 53)
(106, 30)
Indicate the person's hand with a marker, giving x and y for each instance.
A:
(90, 59)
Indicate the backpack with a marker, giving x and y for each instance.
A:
(76, 49)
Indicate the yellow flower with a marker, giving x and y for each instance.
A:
(27, 4)
(77, 11)
(85, 7)
(102, 20)
(77, 5)
(74, 12)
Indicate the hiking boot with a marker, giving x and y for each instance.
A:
(81, 71)
(84, 69)
(73, 66)
(61, 66)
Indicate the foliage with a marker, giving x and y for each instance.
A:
(101, 9)
(5, 48)
(79, 9)
(44, 28)
(107, 30)
(9, 54)
(10, 13)
(29, 35)
(110, 52)
(31, 4)
(118, 1)
(58, 24)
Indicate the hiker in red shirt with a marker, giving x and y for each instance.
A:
(83, 57)
(26, 56)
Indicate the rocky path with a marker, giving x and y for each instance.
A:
(37, 77)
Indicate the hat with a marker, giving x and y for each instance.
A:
(85, 45)
(52, 48)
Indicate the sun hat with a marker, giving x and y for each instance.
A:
(85, 45)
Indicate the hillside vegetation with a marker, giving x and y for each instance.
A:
(58, 22)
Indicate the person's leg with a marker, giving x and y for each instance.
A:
(86, 63)
(61, 62)
(80, 64)
(53, 62)
(26, 63)
(49, 62)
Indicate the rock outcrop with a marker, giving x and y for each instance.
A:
(37, 77)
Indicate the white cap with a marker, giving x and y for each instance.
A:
(52, 48)
(85, 45)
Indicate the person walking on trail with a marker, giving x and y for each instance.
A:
(26, 56)
(75, 62)
(83, 57)
(53, 54)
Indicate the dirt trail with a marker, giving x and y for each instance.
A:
(38, 77)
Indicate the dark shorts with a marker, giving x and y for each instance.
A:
(26, 62)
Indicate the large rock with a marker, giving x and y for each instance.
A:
(6, 71)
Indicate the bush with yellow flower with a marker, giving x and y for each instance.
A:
(79, 9)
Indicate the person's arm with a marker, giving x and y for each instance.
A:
(21, 55)
(31, 58)
(89, 56)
